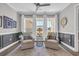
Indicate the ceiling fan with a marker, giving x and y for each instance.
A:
(41, 5)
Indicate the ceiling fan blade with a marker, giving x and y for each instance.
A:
(44, 5)
(38, 4)
(37, 8)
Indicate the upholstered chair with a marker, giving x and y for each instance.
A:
(51, 43)
(26, 44)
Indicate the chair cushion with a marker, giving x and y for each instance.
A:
(52, 41)
(25, 41)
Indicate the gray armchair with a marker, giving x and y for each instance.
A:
(53, 44)
(27, 44)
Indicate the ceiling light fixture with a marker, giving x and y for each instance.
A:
(40, 5)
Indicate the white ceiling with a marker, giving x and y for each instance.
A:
(29, 8)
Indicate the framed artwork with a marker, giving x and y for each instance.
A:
(9, 23)
(15, 25)
(0, 21)
(5, 21)
(64, 21)
(12, 24)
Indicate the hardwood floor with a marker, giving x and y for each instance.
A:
(39, 51)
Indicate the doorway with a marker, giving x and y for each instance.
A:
(40, 29)
(51, 27)
(28, 25)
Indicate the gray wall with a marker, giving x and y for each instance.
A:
(69, 13)
(78, 19)
(68, 32)
(6, 10)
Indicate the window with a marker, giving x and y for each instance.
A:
(39, 23)
(49, 24)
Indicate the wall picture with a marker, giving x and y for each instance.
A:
(8, 22)
(15, 24)
(64, 21)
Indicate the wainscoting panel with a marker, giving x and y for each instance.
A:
(8, 39)
(0, 42)
(67, 38)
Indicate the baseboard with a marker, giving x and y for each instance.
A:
(69, 50)
(9, 48)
